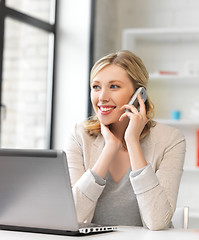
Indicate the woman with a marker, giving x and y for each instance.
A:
(125, 168)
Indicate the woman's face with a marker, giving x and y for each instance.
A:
(111, 88)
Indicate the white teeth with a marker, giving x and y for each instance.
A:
(104, 109)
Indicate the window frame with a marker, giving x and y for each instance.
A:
(51, 29)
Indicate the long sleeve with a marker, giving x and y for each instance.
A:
(85, 189)
(156, 187)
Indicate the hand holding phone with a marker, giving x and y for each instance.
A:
(134, 100)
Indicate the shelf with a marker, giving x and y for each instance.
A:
(191, 169)
(194, 213)
(181, 122)
(162, 34)
(171, 77)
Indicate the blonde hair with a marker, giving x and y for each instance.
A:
(138, 74)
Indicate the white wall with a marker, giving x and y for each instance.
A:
(119, 14)
(71, 68)
(106, 27)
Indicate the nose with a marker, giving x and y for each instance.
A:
(104, 95)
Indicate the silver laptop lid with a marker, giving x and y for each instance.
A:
(35, 190)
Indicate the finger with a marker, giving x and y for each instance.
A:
(104, 127)
(142, 105)
(104, 131)
(131, 108)
(124, 115)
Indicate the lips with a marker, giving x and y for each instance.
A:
(106, 109)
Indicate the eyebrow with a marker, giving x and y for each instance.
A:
(112, 81)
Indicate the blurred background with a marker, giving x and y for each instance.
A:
(47, 48)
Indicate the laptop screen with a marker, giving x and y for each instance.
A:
(35, 190)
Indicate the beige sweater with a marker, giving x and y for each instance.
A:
(156, 188)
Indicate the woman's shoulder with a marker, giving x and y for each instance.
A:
(164, 133)
(80, 132)
(79, 127)
(79, 138)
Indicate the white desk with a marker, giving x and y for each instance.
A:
(127, 233)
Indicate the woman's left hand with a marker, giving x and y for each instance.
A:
(137, 121)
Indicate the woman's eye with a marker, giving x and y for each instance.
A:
(115, 86)
(95, 87)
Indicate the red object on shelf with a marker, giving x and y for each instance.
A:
(197, 146)
(168, 72)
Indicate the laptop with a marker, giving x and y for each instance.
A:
(36, 194)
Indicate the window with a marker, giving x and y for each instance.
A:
(26, 72)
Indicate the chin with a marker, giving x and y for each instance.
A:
(108, 123)
(108, 120)
(105, 123)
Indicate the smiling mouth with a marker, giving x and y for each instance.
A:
(106, 109)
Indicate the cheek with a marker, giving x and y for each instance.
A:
(93, 99)
(125, 99)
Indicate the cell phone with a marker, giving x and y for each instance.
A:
(134, 100)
